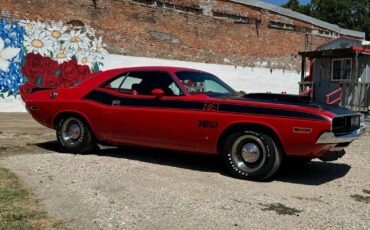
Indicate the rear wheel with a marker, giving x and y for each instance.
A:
(74, 135)
(252, 155)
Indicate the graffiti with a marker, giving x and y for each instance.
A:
(49, 55)
(11, 58)
(47, 73)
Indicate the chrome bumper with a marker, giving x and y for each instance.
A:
(330, 138)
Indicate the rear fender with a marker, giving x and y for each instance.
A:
(71, 113)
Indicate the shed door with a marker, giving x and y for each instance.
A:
(328, 73)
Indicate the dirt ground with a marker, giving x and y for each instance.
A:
(133, 188)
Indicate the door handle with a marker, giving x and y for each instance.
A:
(116, 102)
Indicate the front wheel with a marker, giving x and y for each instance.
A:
(74, 135)
(252, 155)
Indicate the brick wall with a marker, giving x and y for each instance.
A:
(214, 31)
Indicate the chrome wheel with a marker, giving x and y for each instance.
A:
(252, 155)
(74, 135)
(72, 131)
(248, 153)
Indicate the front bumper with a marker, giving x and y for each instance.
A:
(331, 138)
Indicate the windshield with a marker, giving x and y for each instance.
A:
(200, 82)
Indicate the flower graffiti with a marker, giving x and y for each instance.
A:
(47, 73)
(59, 55)
(6, 54)
(63, 42)
(51, 55)
(11, 58)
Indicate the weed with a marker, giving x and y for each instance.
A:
(17, 209)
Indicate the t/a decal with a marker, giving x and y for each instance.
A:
(208, 124)
(210, 106)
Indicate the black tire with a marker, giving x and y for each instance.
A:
(74, 135)
(252, 155)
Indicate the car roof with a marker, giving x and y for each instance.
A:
(103, 76)
(157, 68)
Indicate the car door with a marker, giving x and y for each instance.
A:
(167, 121)
(116, 118)
(141, 118)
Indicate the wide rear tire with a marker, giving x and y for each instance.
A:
(74, 135)
(252, 155)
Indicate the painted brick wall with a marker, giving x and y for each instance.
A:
(213, 31)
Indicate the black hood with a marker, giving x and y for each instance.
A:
(297, 100)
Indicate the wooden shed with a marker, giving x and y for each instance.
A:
(339, 73)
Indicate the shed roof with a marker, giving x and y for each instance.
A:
(335, 53)
(302, 17)
(340, 42)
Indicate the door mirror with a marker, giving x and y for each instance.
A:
(158, 93)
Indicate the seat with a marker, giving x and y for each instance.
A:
(168, 92)
(135, 89)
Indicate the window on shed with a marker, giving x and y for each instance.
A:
(341, 69)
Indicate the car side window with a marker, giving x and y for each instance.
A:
(129, 85)
(175, 89)
(211, 86)
(143, 82)
(123, 83)
(115, 84)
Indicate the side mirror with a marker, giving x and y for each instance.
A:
(158, 93)
(365, 43)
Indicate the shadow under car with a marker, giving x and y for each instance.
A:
(312, 173)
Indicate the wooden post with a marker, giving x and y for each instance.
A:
(303, 73)
(356, 87)
(356, 68)
(303, 68)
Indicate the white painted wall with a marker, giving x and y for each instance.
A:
(240, 78)
(11, 104)
(249, 79)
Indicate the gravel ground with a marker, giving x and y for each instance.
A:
(135, 188)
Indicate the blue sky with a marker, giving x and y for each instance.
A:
(279, 2)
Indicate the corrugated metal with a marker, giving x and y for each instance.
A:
(340, 43)
(352, 33)
(302, 17)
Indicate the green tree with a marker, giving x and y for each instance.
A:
(296, 6)
(349, 14)
(333, 11)
(293, 5)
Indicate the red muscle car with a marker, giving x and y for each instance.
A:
(194, 111)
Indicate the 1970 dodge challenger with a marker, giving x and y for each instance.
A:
(194, 111)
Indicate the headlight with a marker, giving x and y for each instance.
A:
(355, 122)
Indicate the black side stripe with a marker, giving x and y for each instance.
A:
(269, 111)
(107, 99)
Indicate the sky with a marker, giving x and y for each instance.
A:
(279, 2)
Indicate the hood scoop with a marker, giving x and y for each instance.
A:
(270, 97)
